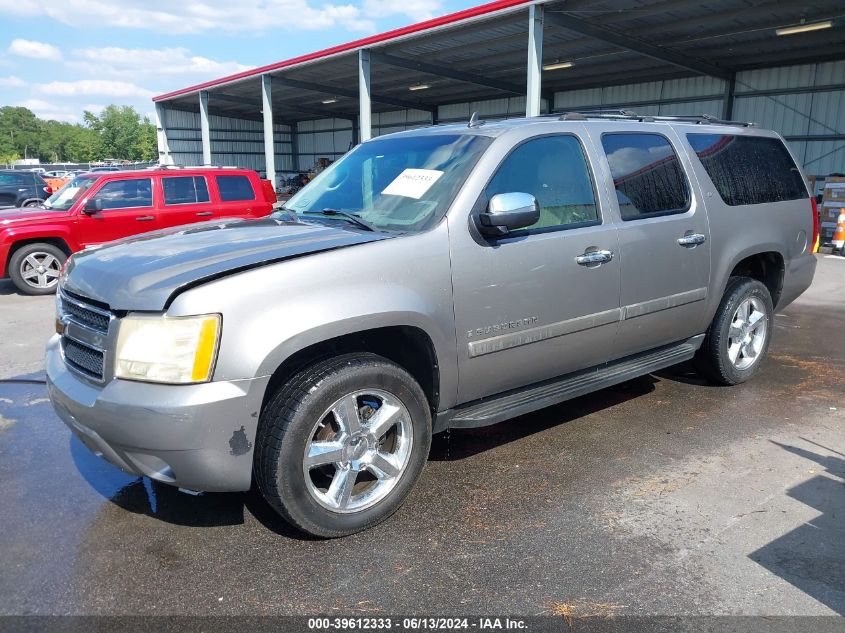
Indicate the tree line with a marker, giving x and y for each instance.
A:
(117, 132)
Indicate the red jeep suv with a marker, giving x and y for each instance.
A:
(99, 207)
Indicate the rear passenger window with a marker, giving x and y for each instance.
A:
(554, 170)
(184, 190)
(234, 188)
(749, 169)
(647, 174)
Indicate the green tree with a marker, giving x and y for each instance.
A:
(20, 131)
(123, 134)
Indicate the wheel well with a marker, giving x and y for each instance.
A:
(55, 241)
(768, 268)
(407, 346)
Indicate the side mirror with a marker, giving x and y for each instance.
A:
(92, 206)
(507, 212)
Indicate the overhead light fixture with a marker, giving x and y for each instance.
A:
(328, 101)
(804, 28)
(419, 87)
(558, 66)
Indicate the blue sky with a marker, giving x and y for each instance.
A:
(60, 57)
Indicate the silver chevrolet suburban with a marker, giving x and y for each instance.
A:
(454, 276)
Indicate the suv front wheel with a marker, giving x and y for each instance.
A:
(738, 338)
(35, 268)
(340, 445)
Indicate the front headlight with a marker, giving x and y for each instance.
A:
(177, 350)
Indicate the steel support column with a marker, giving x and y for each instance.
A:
(205, 129)
(728, 99)
(269, 136)
(534, 95)
(161, 135)
(364, 107)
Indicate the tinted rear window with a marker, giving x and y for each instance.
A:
(749, 169)
(184, 190)
(10, 179)
(647, 174)
(234, 188)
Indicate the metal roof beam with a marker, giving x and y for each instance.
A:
(352, 94)
(442, 71)
(255, 103)
(659, 53)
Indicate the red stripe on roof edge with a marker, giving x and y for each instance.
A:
(451, 18)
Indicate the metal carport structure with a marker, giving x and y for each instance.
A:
(728, 58)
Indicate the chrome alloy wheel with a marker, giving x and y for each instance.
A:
(747, 334)
(358, 450)
(40, 270)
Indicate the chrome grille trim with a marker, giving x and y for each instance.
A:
(86, 337)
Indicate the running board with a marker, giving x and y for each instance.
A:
(547, 393)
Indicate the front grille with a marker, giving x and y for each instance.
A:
(84, 314)
(83, 358)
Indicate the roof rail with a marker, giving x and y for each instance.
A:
(627, 115)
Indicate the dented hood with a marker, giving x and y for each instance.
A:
(144, 272)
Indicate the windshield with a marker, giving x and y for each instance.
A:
(395, 184)
(64, 198)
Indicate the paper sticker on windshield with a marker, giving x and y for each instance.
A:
(413, 183)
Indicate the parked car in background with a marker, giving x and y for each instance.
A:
(20, 188)
(453, 276)
(95, 208)
(59, 173)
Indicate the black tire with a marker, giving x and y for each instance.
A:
(18, 258)
(285, 430)
(713, 359)
(32, 203)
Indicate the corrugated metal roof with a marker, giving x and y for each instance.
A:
(490, 41)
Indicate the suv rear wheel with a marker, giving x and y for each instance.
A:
(738, 338)
(35, 268)
(342, 443)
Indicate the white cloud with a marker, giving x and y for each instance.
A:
(194, 16)
(102, 87)
(415, 9)
(12, 82)
(116, 61)
(47, 110)
(33, 49)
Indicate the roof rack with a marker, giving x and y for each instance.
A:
(628, 115)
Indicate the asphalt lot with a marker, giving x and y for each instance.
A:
(660, 496)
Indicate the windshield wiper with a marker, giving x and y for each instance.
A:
(354, 219)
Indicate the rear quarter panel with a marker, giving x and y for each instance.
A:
(737, 232)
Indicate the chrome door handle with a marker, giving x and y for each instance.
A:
(594, 257)
(693, 239)
(204, 213)
(145, 218)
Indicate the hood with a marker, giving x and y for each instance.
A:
(144, 272)
(16, 216)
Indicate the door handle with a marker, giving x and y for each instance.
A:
(694, 239)
(594, 257)
(145, 218)
(204, 213)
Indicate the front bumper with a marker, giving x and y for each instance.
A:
(193, 436)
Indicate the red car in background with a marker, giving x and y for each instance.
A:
(95, 208)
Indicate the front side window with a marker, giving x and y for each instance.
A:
(235, 188)
(647, 175)
(124, 194)
(184, 190)
(554, 170)
(749, 169)
(64, 198)
(397, 184)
